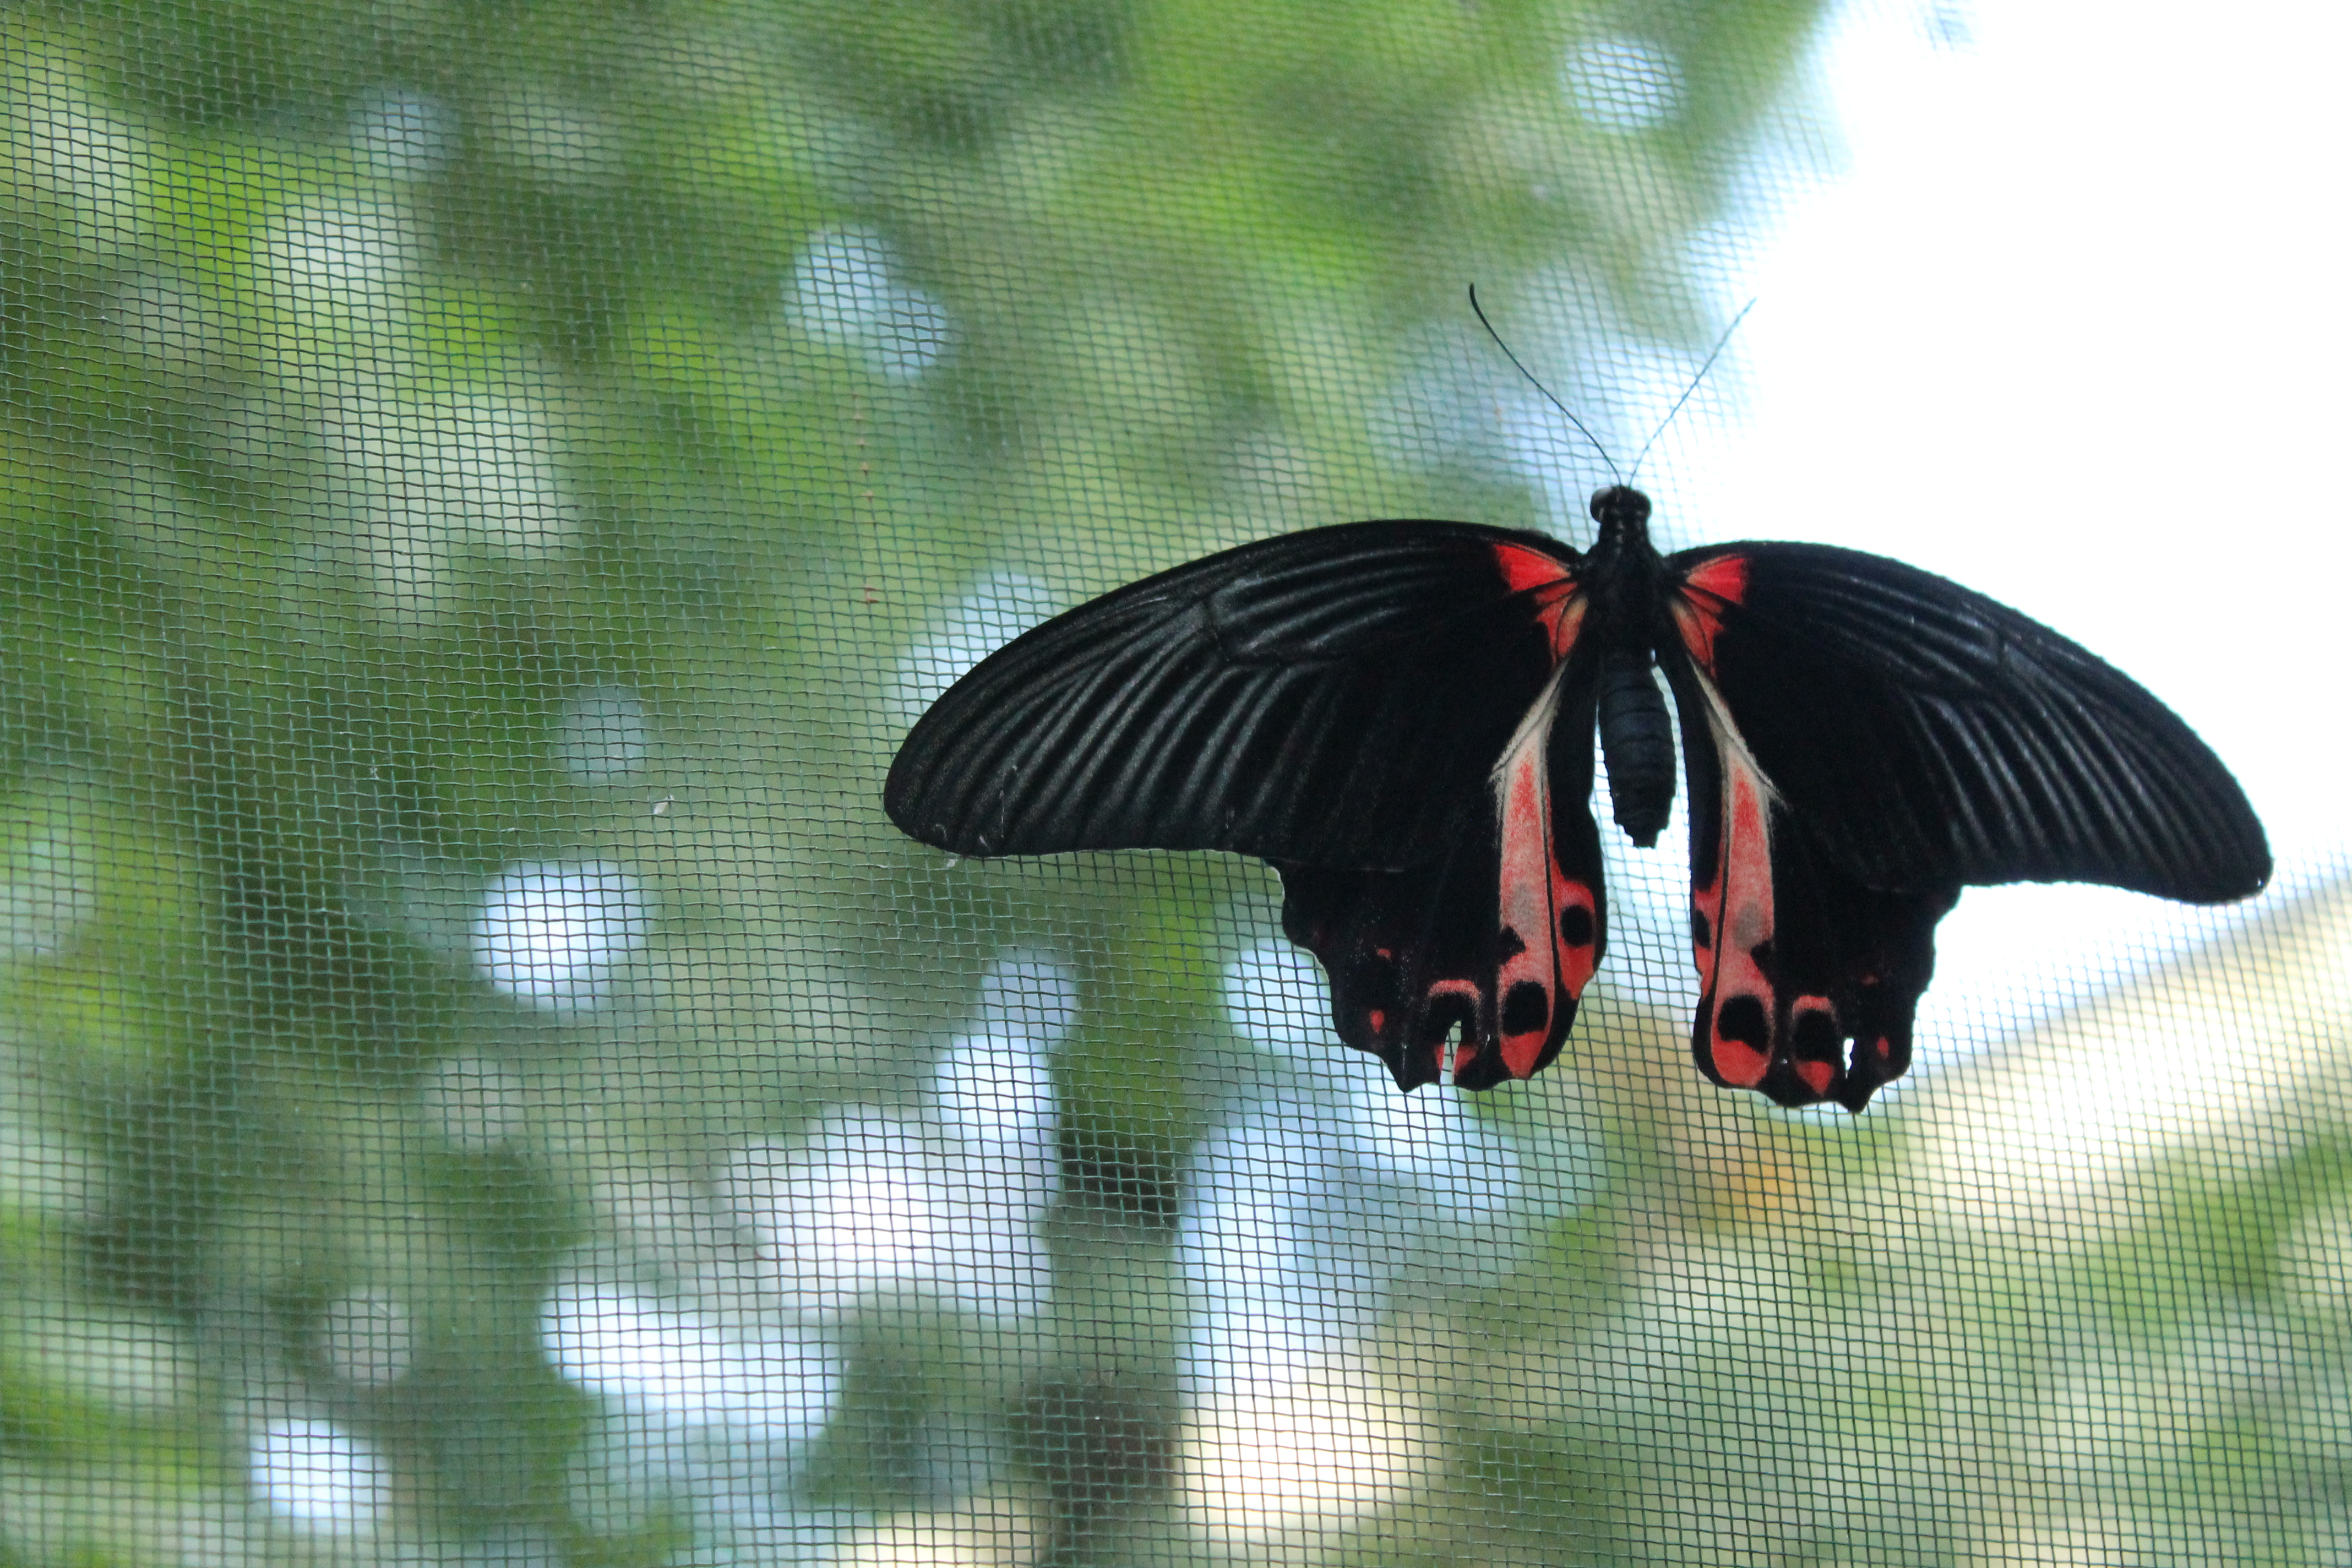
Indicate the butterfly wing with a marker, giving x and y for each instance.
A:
(1376, 708)
(1863, 739)
(1498, 938)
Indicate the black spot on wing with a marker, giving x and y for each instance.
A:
(1743, 1018)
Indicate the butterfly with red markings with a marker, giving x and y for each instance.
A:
(1400, 717)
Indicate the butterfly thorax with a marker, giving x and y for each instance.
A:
(1624, 573)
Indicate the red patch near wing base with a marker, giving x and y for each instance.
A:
(1554, 582)
(1708, 589)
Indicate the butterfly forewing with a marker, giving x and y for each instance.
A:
(1330, 697)
(1924, 733)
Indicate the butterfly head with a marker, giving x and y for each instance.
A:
(1622, 513)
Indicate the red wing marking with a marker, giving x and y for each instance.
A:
(1466, 991)
(1760, 1026)
(1546, 920)
(1463, 988)
(1525, 568)
(1562, 609)
(1736, 1005)
(1815, 1044)
(1732, 915)
(1699, 604)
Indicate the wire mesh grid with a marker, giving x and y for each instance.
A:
(487, 491)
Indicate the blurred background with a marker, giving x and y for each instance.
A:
(484, 488)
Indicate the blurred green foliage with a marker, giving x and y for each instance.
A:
(376, 380)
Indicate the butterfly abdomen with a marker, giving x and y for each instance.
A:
(1637, 741)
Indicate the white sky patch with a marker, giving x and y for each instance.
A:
(994, 1089)
(404, 135)
(1298, 1457)
(1301, 1221)
(317, 1474)
(602, 736)
(1031, 995)
(873, 1204)
(666, 1361)
(353, 257)
(845, 288)
(944, 1203)
(553, 934)
(1304, 1217)
(1276, 998)
(1624, 84)
(998, 608)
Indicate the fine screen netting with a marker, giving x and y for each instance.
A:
(487, 488)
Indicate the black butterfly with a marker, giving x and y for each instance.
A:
(1400, 717)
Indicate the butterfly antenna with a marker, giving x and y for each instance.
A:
(1712, 355)
(1540, 386)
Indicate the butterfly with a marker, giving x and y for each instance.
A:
(1400, 717)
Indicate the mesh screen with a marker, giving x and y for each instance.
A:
(487, 488)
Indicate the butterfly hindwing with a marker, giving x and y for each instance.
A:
(1796, 957)
(1402, 950)
(1863, 739)
(1492, 945)
(1550, 913)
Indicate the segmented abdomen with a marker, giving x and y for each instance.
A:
(1637, 741)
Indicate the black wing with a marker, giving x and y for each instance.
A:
(1335, 697)
(1384, 710)
(1864, 739)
